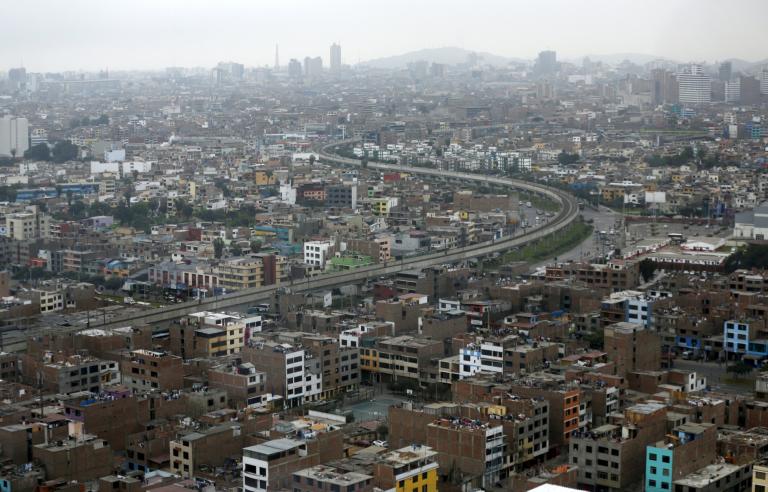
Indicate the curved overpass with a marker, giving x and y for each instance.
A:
(569, 211)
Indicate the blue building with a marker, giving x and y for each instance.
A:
(31, 194)
(79, 188)
(658, 468)
(686, 449)
(740, 338)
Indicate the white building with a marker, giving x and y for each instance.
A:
(288, 193)
(694, 86)
(294, 375)
(317, 253)
(444, 305)
(50, 299)
(38, 136)
(116, 155)
(14, 136)
(256, 461)
(138, 166)
(733, 91)
(482, 357)
(105, 167)
(752, 224)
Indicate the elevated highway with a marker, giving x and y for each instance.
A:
(568, 213)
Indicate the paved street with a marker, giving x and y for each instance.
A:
(604, 220)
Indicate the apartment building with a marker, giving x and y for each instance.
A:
(245, 386)
(340, 366)
(632, 347)
(612, 456)
(407, 469)
(478, 449)
(70, 374)
(211, 447)
(251, 271)
(146, 370)
(390, 358)
(76, 458)
(111, 414)
(683, 451)
(317, 253)
(321, 478)
(284, 366)
(30, 224)
(271, 465)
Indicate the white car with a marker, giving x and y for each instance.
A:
(382, 444)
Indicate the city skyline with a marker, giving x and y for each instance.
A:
(144, 35)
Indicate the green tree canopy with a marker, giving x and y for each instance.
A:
(64, 151)
(39, 152)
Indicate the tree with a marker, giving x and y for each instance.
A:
(595, 339)
(218, 247)
(751, 256)
(183, 209)
(39, 152)
(64, 151)
(77, 210)
(311, 159)
(382, 431)
(236, 250)
(8, 193)
(255, 246)
(565, 158)
(647, 268)
(113, 283)
(740, 368)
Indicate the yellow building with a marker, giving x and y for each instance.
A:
(760, 476)
(383, 205)
(251, 271)
(264, 178)
(611, 193)
(369, 360)
(409, 469)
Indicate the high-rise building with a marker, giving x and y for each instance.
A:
(313, 67)
(733, 91)
(546, 63)
(294, 68)
(725, 71)
(277, 57)
(664, 87)
(14, 136)
(764, 81)
(750, 89)
(694, 86)
(17, 77)
(335, 58)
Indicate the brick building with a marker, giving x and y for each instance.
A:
(146, 370)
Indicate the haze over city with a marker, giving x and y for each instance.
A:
(147, 34)
(398, 246)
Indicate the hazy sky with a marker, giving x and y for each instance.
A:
(53, 35)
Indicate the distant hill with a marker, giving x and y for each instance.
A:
(739, 65)
(616, 58)
(447, 55)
